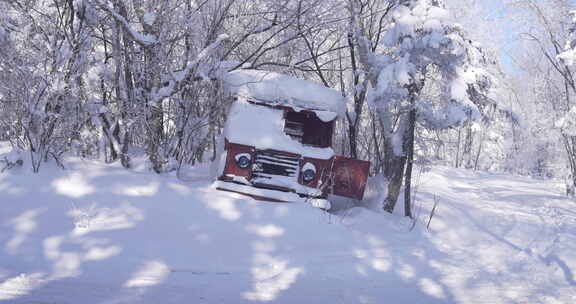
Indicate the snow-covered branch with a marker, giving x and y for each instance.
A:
(143, 39)
(177, 78)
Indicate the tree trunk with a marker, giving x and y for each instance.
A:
(457, 163)
(570, 146)
(352, 138)
(359, 98)
(394, 162)
(409, 148)
(467, 149)
(396, 168)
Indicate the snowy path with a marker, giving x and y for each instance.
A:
(516, 235)
(101, 234)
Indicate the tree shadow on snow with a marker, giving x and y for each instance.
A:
(113, 236)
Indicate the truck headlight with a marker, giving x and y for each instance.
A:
(243, 160)
(308, 172)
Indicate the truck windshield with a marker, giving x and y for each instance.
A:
(306, 128)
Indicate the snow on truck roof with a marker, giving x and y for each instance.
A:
(278, 89)
(263, 128)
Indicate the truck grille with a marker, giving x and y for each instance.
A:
(271, 165)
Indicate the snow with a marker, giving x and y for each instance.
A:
(568, 56)
(495, 238)
(279, 89)
(177, 77)
(326, 116)
(145, 39)
(321, 203)
(263, 127)
(283, 196)
(149, 18)
(309, 166)
(567, 124)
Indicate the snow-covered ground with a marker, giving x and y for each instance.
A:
(98, 233)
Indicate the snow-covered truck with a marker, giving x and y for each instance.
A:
(278, 138)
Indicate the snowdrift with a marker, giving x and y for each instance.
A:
(97, 233)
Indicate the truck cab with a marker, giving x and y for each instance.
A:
(278, 140)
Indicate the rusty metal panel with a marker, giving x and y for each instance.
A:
(231, 168)
(349, 177)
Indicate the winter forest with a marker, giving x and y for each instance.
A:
(469, 86)
(109, 79)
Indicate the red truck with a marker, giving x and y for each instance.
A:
(278, 138)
